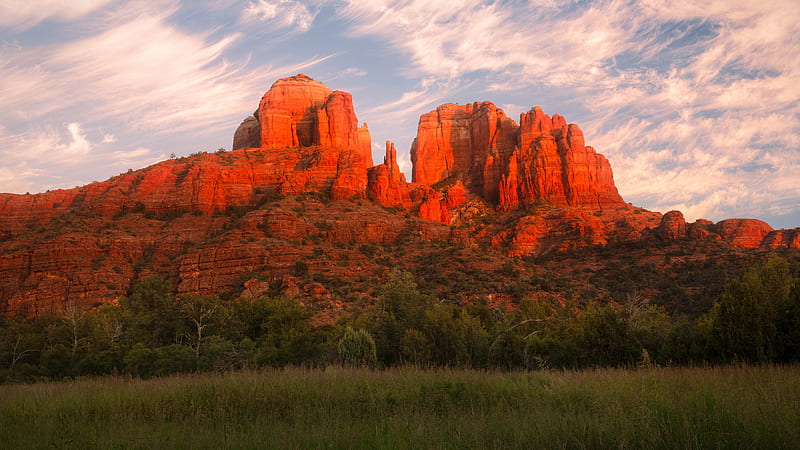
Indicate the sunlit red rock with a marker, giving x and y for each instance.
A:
(288, 112)
(387, 185)
(701, 229)
(511, 165)
(301, 112)
(336, 126)
(295, 189)
(672, 226)
(469, 142)
(746, 233)
(782, 239)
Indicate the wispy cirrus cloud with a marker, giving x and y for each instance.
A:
(23, 14)
(283, 13)
(25, 156)
(693, 101)
(132, 71)
(138, 68)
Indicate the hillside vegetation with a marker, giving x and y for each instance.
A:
(153, 333)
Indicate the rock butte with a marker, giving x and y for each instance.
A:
(205, 220)
(544, 158)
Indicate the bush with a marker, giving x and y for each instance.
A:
(357, 348)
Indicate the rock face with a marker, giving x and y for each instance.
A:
(468, 142)
(672, 226)
(288, 112)
(301, 112)
(743, 233)
(248, 135)
(387, 185)
(746, 233)
(782, 239)
(543, 158)
(294, 189)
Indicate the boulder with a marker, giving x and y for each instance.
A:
(672, 226)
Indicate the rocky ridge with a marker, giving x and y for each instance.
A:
(300, 185)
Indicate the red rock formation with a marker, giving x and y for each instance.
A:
(512, 165)
(470, 142)
(207, 183)
(554, 228)
(387, 185)
(351, 176)
(701, 230)
(535, 123)
(745, 233)
(207, 220)
(300, 112)
(782, 239)
(288, 112)
(248, 135)
(672, 226)
(439, 206)
(337, 126)
(390, 161)
(557, 167)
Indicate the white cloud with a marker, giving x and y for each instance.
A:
(47, 145)
(136, 158)
(694, 102)
(353, 72)
(24, 90)
(24, 14)
(139, 69)
(513, 110)
(284, 13)
(26, 156)
(131, 69)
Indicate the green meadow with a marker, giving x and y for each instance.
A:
(715, 407)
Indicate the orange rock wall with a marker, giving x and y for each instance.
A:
(511, 165)
(300, 112)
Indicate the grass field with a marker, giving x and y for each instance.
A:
(728, 407)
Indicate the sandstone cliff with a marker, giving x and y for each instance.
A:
(300, 186)
(301, 112)
(512, 165)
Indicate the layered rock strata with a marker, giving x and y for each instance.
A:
(207, 220)
(512, 165)
(301, 112)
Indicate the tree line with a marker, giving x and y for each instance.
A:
(152, 332)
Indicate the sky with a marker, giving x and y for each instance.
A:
(695, 103)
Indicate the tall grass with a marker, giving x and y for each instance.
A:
(729, 407)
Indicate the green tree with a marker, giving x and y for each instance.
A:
(281, 329)
(416, 348)
(20, 342)
(218, 354)
(58, 361)
(745, 321)
(607, 337)
(402, 307)
(788, 327)
(457, 338)
(357, 348)
(151, 313)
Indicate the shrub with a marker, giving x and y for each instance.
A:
(357, 348)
